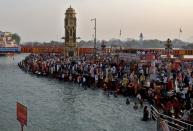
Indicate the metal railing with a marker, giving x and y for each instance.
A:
(173, 124)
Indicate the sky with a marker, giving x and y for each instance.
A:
(43, 20)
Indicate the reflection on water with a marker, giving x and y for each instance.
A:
(58, 106)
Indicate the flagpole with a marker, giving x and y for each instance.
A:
(120, 34)
(180, 31)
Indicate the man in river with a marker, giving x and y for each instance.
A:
(127, 101)
(84, 82)
(135, 107)
(145, 114)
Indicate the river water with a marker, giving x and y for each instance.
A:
(61, 106)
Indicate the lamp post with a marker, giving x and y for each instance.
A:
(168, 48)
(94, 53)
(78, 38)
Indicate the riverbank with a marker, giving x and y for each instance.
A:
(158, 83)
(61, 106)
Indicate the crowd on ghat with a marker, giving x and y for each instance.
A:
(166, 85)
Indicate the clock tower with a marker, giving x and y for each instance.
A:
(70, 33)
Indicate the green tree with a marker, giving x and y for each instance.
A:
(17, 38)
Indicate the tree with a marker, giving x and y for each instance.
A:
(17, 38)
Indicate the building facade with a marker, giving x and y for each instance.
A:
(6, 40)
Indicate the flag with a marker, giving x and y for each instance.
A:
(180, 30)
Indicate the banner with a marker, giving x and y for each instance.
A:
(21, 111)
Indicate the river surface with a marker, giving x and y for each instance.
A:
(61, 106)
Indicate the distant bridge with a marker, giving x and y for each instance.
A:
(10, 49)
(60, 49)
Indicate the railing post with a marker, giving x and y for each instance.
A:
(158, 122)
(171, 122)
(151, 112)
(189, 128)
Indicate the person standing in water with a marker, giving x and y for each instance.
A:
(145, 114)
(127, 101)
(135, 107)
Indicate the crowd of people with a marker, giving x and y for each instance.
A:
(167, 85)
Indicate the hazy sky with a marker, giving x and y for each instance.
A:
(42, 20)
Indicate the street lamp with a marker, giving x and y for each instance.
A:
(168, 48)
(78, 38)
(94, 53)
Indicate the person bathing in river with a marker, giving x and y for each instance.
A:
(70, 78)
(140, 99)
(145, 114)
(84, 82)
(127, 101)
(135, 107)
(79, 80)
